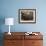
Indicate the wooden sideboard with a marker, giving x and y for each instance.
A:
(20, 39)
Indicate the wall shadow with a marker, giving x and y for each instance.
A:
(2, 21)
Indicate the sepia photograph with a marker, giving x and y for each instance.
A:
(27, 15)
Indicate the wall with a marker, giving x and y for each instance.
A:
(9, 8)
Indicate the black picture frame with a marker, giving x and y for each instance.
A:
(27, 15)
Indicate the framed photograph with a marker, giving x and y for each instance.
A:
(27, 15)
